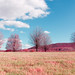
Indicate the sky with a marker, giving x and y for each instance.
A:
(55, 17)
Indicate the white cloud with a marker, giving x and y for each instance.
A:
(47, 32)
(10, 10)
(14, 23)
(22, 9)
(26, 46)
(22, 32)
(18, 24)
(10, 29)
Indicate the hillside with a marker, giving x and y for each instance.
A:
(51, 48)
(58, 47)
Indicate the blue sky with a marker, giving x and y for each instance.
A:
(55, 17)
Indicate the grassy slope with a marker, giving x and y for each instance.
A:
(37, 63)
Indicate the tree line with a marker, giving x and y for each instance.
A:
(37, 38)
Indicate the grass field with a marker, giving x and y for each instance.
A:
(37, 63)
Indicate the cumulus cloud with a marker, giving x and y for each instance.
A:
(10, 10)
(22, 9)
(26, 46)
(15, 23)
(22, 32)
(10, 29)
(47, 32)
(18, 24)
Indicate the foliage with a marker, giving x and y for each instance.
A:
(14, 43)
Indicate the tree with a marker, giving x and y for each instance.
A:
(14, 43)
(1, 41)
(73, 37)
(36, 38)
(46, 41)
(73, 40)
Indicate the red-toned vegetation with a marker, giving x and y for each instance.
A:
(37, 63)
(57, 47)
(13, 43)
(40, 39)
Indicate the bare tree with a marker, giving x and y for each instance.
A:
(73, 37)
(36, 38)
(14, 43)
(1, 41)
(46, 41)
(73, 40)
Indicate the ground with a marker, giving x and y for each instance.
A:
(37, 63)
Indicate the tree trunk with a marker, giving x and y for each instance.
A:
(36, 48)
(45, 49)
(13, 49)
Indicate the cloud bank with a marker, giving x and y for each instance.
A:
(18, 24)
(10, 10)
(22, 9)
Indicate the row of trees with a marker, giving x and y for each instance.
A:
(38, 39)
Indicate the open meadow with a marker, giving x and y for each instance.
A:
(37, 63)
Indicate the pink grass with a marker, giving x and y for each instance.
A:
(37, 63)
